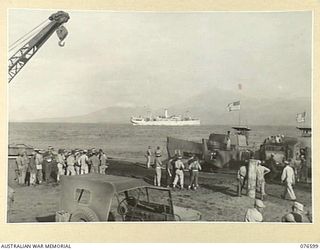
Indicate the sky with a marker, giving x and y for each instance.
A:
(158, 59)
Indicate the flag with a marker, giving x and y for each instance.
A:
(240, 86)
(301, 117)
(233, 106)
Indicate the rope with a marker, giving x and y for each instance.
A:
(25, 37)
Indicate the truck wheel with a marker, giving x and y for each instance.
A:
(219, 162)
(83, 215)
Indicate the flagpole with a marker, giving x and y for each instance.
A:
(240, 87)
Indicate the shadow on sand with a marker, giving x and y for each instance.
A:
(222, 189)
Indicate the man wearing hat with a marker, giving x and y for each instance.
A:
(39, 161)
(288, 178)
(49, 163)
(194, 168)
(272, 165)
(77, 163)
(158, 152)
(70, 163)
(304, 169)
(84, 160)
(22, 162)
(95, 162)
(255, 214)
(179, 177)
(170, 170)
(60, 163)
(261, 183)
(32, 169)
(242, 177)
(158, 167)
(148, 156)
(103, 162)
(296, 215)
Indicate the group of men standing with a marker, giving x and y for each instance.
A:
(29, 170)
(174, 169)
(296, 215)
(287, 178)
(79, 162)
(261, 171)
(41, 166)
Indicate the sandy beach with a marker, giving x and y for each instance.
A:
(216, 198)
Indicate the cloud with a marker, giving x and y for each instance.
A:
(159, 59)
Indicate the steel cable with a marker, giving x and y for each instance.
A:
(26, 36)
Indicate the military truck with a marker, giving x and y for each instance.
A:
(218, 151)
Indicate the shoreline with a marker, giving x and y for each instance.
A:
(216, 198)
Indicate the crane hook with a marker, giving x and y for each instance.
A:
(62, 33)
(61, 43)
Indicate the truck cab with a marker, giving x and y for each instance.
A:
(282, 149)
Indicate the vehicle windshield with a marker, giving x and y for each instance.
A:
(143, 204)
(151, 195)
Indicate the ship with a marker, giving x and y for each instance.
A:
(165, 120)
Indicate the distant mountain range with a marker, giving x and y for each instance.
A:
(210, 107)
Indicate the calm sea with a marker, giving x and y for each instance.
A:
(122, 140)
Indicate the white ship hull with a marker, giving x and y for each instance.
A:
(166, 123)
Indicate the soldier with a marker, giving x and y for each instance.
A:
(179, 177)
(158, 152)
(70, 163)
(255, 214)
(228, 141)
(158, 168)
(170, 170)
(33, 168)
(261, 183)
(288, 179)
(39, 161)
(22, 165)
(84, 160)
(60, 163)
(296, 215)
(194, 168)
(103, 162)
(241, 177)
(49, 163)
(95, 163)
(148, 156)
(304, 169)
(272, 165)
(77, 166)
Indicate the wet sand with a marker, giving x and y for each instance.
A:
(216, 198)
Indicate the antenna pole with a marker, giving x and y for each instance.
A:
(240, 88)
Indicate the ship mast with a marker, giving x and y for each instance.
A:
(166, 113)
(240, 87)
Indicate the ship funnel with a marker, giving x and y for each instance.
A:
(166, 113)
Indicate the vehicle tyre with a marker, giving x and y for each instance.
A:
(219, 161)
(84, 215)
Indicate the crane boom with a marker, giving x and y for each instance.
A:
(19, 59)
